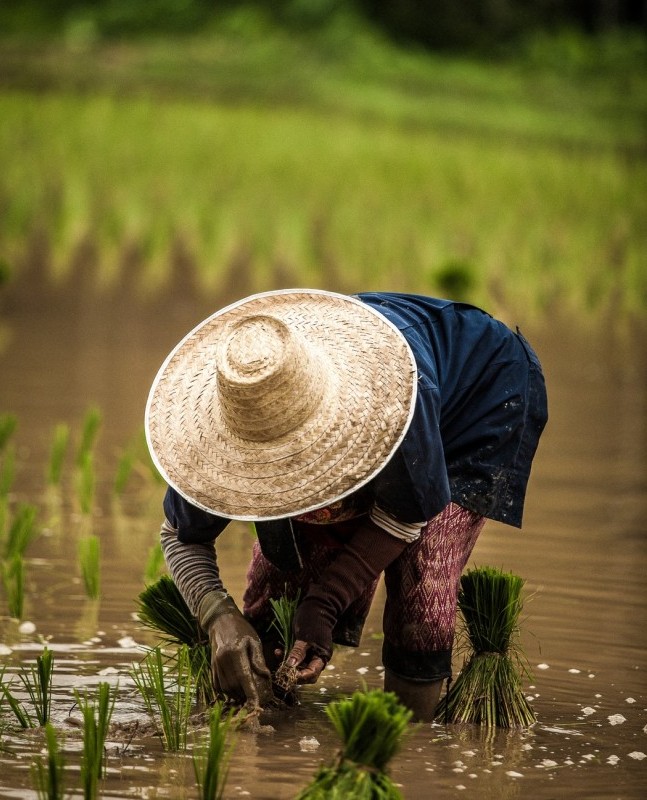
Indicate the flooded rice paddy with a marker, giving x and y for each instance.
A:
(582, 552)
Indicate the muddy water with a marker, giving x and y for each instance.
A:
(582, 552)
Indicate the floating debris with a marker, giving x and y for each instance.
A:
(308, 743)
(543, 666)
(26, 628)
(587, 711)
(637, 755)
(616, 719)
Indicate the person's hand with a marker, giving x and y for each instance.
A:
(309, 664)
(237, 662)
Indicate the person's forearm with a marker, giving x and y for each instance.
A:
(193, 567)
(369, 551)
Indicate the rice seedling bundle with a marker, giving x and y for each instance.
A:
(371, 726)
(488, 691)
(163, 610)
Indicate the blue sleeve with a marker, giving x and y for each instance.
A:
(194, 526)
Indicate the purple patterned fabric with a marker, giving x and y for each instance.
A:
(422, 586)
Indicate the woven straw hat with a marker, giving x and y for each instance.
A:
(281, 403)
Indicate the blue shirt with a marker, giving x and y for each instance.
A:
(480, 410)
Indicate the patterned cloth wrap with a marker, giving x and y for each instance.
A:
(421, 586)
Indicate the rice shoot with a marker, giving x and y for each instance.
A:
(488, 691)
(210, 758)
(49, 774)
(89, 433)
(60, 441)
(89, 549)
(371, 725)
(284, 678)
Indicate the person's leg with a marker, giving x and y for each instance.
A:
(420, 610)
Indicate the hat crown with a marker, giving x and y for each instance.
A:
(266, 378)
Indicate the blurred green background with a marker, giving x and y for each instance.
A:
(492, 151)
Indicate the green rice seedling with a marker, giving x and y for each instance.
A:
(163, 609)
(167, 696)
(86, 483)
(371, 726)
(37, 680)
(96, 721)
(155, 564)
(284, 609)
(125, 467)
(60, 442)
(89, 433)
(12, 572)
(89, 550)
(19, 711)
(49, 775)
(210, 760)
(488, 690)
(8, 424)
(7, 470)
(21, 532)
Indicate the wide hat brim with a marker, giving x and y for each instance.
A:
(367, 405)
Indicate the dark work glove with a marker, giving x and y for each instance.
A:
(237, 662)
(366, 554)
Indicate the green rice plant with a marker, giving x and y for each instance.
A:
(371, 726)
(89, 433)
(58, 450)
(284, 678)
(96, 721)
(125, 467)
(89, 551)
(210, 759)
(19, 711)
(7, 470)
(8, 424)
(163, 609)
(86, 483)
(488, 690)
(12, 572)
(37, 680)
(21, 532)
(168, 695)
(49, 775)
(155, 564)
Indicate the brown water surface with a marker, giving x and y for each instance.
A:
(582, 552)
